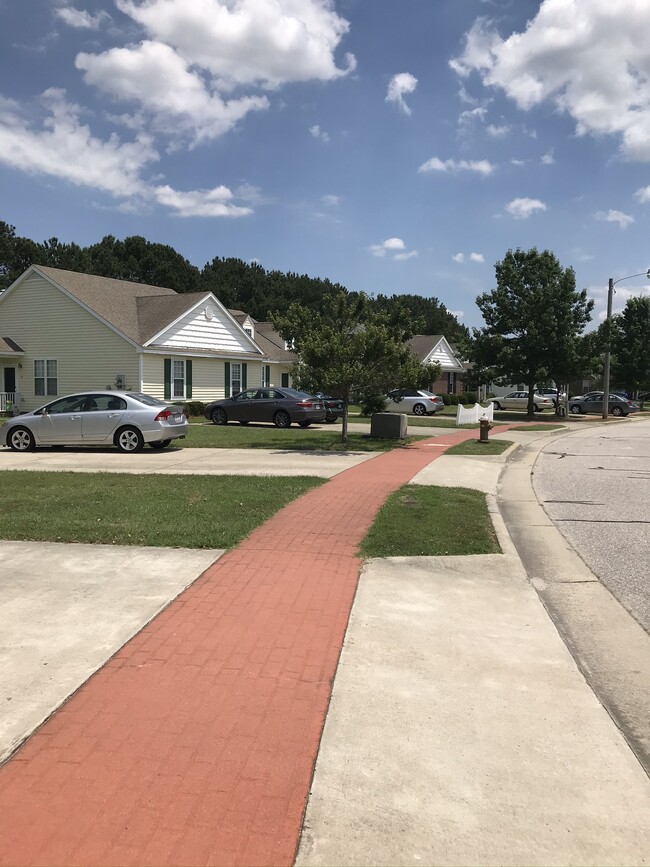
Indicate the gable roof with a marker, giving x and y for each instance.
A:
(436, 348)
(156, 312)
(423, 344)
(270, 342)
(116, 301)
(9, 346)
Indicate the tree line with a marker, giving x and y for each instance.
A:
(237, 284)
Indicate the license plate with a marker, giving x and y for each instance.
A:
(178, 417)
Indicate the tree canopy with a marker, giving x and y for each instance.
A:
(237, 284)
(630, 346)
(349, 347)
(534, 321)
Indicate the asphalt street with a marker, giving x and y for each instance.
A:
(595, 487)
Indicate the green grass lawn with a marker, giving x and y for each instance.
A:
(421, 520)
(125, 509)
(235, 436)
(474, 447)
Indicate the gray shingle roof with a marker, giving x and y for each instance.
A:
(7, 345)
(422, 344)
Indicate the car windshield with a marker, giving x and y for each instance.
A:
(426, 393)
(298, 395)
(147, 399)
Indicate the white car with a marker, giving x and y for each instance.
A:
(125, 419)
(416, 401)
(519, 400)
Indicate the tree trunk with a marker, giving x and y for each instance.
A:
(344, 424)
(531, 400)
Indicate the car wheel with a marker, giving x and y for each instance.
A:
(161, 444)
(304, 423)
(535, 408)
(419, 409)
(21, 440)
(617, 411)
(575, 409)
(496, 404)
(244, 422)
(330, 419)
(219, 416)
(129, 439)
(282, 419)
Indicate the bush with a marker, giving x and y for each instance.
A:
(468, 397)
(371, 403)
(192, 407)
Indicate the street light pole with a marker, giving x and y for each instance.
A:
(608, 347)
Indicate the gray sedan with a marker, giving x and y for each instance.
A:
(593, 402)
(124, 419)
(282, 406)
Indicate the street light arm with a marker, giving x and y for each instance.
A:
(632, 276)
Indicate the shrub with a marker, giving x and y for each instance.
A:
(192, 407)
(371, 403)
(446, 399)
(468, 397)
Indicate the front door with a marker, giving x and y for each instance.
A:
(10, 380)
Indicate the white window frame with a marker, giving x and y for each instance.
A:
(235, 365)
(178, 366)
(266, 375)
(49, 381)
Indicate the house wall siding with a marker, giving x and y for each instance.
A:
(208, 375)
(195, 331)
(48, 324)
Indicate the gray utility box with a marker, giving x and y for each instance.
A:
(389, 425)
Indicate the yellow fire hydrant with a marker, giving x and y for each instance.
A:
(485, 425)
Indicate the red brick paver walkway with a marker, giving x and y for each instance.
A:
(195, 744)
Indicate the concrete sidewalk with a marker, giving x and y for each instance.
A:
(459, 728)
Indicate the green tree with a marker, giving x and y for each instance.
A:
(533, 319)
(16, 255)
(435, 317)
(347, 347)
(630, 346)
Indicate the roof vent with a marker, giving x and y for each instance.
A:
(209, 312)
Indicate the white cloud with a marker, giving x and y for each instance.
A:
(160, 81)
(521, 209)
(402, 257)
(613, 216)
(200, 203)
(459, 258)
(263, 43)
(65, 148)
(643, 195)
(548, 159)
(482, 167)
(497, 131)
(477, 257)
(473, 257)
(400, 85)
(332, 201)
(587, 56)
(396, 246)
(518, 162)
(319, 133)
(457, 313)
(80, 19)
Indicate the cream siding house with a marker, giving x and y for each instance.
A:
(435, 349)
(67, 331)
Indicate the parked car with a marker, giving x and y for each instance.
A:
(125, 419)
(282, 406)
(552, 393)
(416, 401)
(593, 402)
(519, 400)
(333, 406)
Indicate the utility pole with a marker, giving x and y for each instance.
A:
(608, 347)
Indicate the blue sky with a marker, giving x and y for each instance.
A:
(395, 146)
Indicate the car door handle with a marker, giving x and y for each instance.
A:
(75, 417)
(113, 414)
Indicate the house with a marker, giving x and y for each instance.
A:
(65, 331)
(435, 349)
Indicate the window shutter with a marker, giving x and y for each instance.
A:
(244, 384)
(168, 378)
(227, 379)
(188, 379)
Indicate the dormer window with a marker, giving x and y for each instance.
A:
(249, 331)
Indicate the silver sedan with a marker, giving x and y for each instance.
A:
(124, 419)
(519, 400)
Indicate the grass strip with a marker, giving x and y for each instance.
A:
(475, 447)
(126, 509)
(534, 427)
(209, 436)
(419, 520)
